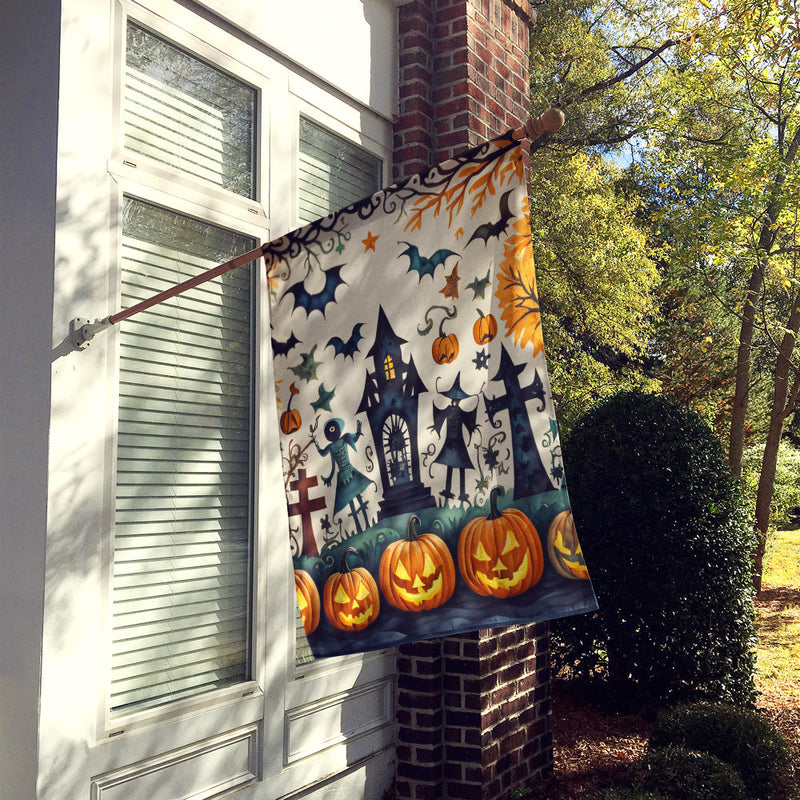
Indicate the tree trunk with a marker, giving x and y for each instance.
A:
(784, 398)
(742, 387)
(766, 240)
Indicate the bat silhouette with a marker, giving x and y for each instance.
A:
(425, 266)
(284, 348)
(489, 229)
(317, 302)
(350, 347)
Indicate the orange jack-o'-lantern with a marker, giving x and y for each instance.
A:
(417, 573)
(485, 328)
(351, 597)
(500, 555)
(445, 346)
(307, 600)
(290, 419)
(564, 549)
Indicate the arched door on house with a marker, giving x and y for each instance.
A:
(396, 441)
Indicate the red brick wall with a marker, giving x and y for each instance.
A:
(463, 76)
(473, 714)
(473, 711)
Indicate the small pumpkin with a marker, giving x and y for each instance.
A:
(307, 600)
(290, 419)
(564, 549)
(445, 346)
(500, 555)
(417, 573)
(350, 597)
(485, 328)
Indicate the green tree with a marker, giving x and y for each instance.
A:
(667, 542)
(597, 278)
(725, 152)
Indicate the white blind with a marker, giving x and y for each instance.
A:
(187, 114)
(182, 542)
(333, 172)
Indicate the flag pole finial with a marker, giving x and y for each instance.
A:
(534, 127)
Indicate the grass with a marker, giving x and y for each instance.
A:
(778, 625)
(782, 559)
(593, 747)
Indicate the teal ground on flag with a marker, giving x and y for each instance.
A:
(422, 464)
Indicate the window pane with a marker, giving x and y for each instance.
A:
(333, 171)
(185, 113)
(182, 542)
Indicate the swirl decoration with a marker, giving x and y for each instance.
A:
(370, 455)
(324, 235)
(294, 541)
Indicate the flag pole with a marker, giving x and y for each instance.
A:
(534, 127)
(82, 331)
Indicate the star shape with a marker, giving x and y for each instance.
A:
(307, 369)
(481, 360)
(479, 285)
(369, 242)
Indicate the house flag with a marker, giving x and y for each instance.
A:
(421, 457)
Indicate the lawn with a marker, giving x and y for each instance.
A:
(593, 748)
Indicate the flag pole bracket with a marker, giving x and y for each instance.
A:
(82, 330)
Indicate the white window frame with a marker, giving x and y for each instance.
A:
(281, 695)
(138, 177)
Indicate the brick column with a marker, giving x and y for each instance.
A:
(473, 711)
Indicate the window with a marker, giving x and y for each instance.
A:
(184, 113)
(388, 368)
(333, 172)
(183, 530)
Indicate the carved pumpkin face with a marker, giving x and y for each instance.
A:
(351, 597)
(290, 420)
(417, 573)
(500, 555)
(485, 328)
(564, 549)
(307, 600)
(445, 348)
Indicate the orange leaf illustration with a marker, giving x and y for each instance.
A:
(516, 288)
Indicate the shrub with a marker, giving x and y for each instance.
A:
(667, 540)
(683, 774)
(741, 738)
(785, 490)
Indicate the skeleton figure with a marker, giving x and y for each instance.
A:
(350, 483)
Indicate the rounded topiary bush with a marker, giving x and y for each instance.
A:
(683, 774)
(741, 738)
(667, 540)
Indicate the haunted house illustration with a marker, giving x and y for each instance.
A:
(391, 401)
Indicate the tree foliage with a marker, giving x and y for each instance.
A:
(597, 275)
(721, 169)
